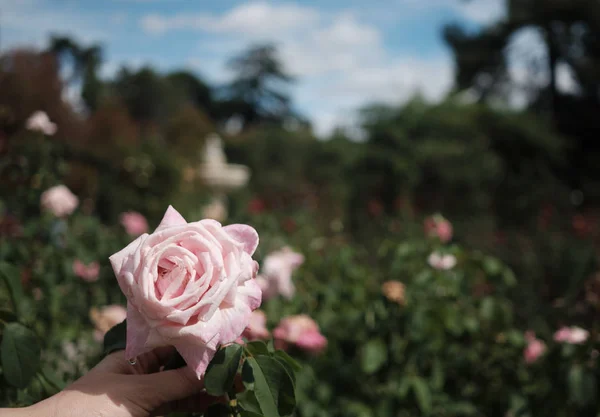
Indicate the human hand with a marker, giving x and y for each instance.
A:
(115, 388)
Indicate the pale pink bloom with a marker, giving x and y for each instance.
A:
(562, 334)
(88, 272)
(134, 223)
(438, 226)
(189, 285)
(257, 329)
(534, 349)
(39, 122)
(301, 331)
(573, 335)
(59, 200)
(442, 262)
(276, 275)
(106, 318)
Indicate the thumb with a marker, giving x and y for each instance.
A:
(172, 385)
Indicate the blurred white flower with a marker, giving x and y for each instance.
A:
(442, 262)
(40, 122)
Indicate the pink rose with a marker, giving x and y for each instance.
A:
(105, 318)
(189, 285)
(438, 226)
(134, 223)
(442, 262)
(39, 122)
(301, 331)
(257, 329)
(534, 349)
(88, 272)
(276, 276)
(573, 335)
(59, 200)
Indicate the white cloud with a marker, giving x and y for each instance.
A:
(253, 19)
(341, 61)
(482, 11)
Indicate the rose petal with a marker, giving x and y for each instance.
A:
(137, 332)
(196, 356)
(245, 234)
(171, 218)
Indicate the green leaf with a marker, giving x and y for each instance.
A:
(291, 361)
(12, 278)
(19, 354)
(422, 394)
(257, 348)
(492, 266)
(222, 369)
(582, 386)
(487, 309)
(116, 338)
(373, 356)
(288, 369)
(247, 401)
(52, 379)
(273, 386)
(218, 410)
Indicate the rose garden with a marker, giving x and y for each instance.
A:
(444, 265)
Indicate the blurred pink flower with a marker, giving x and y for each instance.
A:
(59, 200)
(438, 226)
(534, 349)
(39, 122)
(441, 262)
(106, 318)
(276, 276)
(88, 273)
(301, 331)
(135, 224)
(257, 329)
(573, 335)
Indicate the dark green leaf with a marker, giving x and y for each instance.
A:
(422, 394)
(52, 379)
(273, 386)
(257, 348)
(218, 410)
(291, 361)
(19, 354)
(247, 401)
(116, 338)
(12, 278)
(288, 369)
(373, 356)
(222, 369)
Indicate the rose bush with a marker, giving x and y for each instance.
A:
(190, 285)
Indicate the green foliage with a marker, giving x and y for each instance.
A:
(19, 354)
(222, 370)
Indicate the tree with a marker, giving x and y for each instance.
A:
(257, 91)
(85, 63)
(570, 35)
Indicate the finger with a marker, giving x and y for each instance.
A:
(196, 403)
(164, 387)
(146, 363)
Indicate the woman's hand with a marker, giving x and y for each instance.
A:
(115, 388)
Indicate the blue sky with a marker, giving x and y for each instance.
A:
(344, 53)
